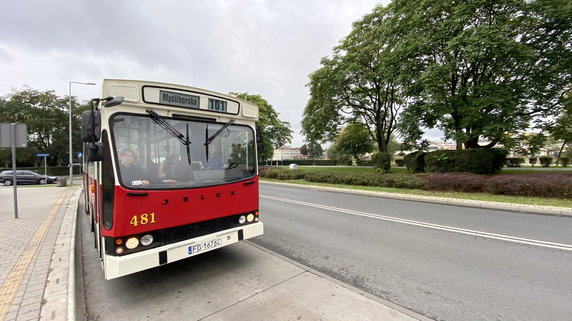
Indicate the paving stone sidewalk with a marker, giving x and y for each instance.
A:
(29, 246)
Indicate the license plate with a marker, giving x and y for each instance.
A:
(193, 249)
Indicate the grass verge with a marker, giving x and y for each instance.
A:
(539, 201)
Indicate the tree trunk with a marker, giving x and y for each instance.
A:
(560, 152)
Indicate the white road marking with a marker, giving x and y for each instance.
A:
(508, 238)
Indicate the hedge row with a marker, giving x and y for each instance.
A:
(477, 161)
(381, 180)
(533, 185)
(514, 161)
(307, 162)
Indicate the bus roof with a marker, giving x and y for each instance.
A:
(181, 97)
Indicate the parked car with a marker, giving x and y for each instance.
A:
(26, 177)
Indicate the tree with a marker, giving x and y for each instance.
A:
(275, 133)
(561, 129)
(354, 140)
(359, 83)
(46, 117)
(483, 68)
(340, 156)
(532, 143)
(304, 150)
(315, 150)
(312, 150)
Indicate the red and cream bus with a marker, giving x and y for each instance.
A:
(170, 172)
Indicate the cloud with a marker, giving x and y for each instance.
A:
(260, 47)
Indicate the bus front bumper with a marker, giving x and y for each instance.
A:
(118, 266)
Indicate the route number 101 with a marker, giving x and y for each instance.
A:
(143, 219)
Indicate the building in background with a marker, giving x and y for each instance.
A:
(287, 152)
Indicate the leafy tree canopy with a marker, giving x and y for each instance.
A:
(275, 133)
(358, 84)
(483, 68)
(315, 150)
(354, 140)
(304, 150)
(46, 116)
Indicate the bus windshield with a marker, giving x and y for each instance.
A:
(150, 156)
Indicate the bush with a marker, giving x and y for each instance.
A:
(381, 180)
(365, 162)
(325, 162)
(296, 161)
(459, 182)
(545, 161)
(381, 162)
(399, 162)
(281, 173)
(564, 161)
(532, 161)
(514, 161)
(476, 161)
(415, 162)
(535, 184)
(307, 162)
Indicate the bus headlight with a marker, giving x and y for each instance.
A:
(242, 219)
(132, 243)
(250, 217)
(147, 239)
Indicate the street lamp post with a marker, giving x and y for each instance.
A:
(70, 126)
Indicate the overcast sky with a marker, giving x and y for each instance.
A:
(256, 46)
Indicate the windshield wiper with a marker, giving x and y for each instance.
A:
(209, 140)
(173, 131)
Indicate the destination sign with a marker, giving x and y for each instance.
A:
(217, 105)
(197, 99)
(178, 99)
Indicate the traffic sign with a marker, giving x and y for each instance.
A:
(20, 133)
(42, 155)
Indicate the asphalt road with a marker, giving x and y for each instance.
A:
(444, 262)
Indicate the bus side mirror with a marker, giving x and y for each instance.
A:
(94, 152)
(90, 126)
(114, 101)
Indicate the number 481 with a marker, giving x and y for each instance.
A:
(143, 219)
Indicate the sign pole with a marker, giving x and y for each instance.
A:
(45, 166)
(14, 181)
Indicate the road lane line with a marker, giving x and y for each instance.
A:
(560, 246)
(13, 282)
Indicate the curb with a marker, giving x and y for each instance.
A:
(59, 292)
(71, 276)
(519, 208)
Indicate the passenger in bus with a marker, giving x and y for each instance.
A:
(173, 169)
(133, 175)
(150, 166)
